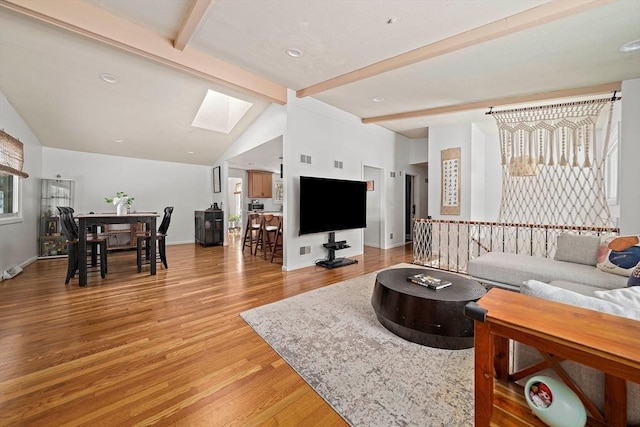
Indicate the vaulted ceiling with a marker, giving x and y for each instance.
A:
(429, 62)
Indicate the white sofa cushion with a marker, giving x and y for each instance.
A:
(553, 293)
(625, 297)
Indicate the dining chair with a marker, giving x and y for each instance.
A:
(269, 225)
(97, 243)
(251, 232)
(144, 239)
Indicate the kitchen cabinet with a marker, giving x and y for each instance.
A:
(260, 184)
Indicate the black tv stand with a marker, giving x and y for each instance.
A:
(333, 246)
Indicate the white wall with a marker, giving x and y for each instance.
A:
(373, 232)
(477, 179)
(492, 179)
(442, 138)
(19, 240)
(154, 185)
(327, 134)
(419, 150)
(629, 178)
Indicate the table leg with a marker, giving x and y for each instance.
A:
(483, 374)
(82, 252)
(615, 400)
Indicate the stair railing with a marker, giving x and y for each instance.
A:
(449, 245)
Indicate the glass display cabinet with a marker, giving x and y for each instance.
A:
(53, 193)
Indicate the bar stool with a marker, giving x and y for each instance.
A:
(251, 232)
(268, 228)
(277, 241)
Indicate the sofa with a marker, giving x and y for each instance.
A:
(586, 271)
(575, 267)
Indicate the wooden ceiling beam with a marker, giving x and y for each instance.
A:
(191, 22)
(565, 93)
(90, 21)
(530, 18)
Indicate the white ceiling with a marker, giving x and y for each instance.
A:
(51, 75)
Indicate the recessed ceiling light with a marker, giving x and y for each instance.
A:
(378, 99)
(118, 140)
(108, 78)
(630, 46)
(294, 53)
(189, 152)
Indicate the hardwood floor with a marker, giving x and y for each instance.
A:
(170, 349)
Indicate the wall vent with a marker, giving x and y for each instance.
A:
(305, 159)
(337, 164)
(304, 250)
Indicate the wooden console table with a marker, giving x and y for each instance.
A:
(608, 343)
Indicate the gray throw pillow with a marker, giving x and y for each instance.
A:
(553, 293)
(578, 249)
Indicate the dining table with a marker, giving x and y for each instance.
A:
(93, 220)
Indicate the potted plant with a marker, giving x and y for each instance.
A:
(233, 221)
(122, 201)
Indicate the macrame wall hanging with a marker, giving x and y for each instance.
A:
(553, 165)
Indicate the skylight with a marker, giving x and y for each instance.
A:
(220, 112)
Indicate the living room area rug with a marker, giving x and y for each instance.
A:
(370, 376)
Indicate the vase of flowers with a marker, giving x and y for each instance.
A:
(122, 201)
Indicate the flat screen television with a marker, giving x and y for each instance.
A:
(332, 204)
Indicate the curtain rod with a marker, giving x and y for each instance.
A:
(567, 104)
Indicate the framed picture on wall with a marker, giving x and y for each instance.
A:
(278, 193)
(370, 185)
(450, 170)
(216, 180)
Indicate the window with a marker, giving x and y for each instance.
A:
(11, 162)
(9, 198)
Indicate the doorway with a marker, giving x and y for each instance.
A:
(234, 204)
(374, 232)
(409, 207)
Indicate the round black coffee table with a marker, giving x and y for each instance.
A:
(434, 318)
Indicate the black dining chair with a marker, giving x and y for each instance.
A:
(97, 243)
(144, 239)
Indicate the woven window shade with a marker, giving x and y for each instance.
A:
(11, 155)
